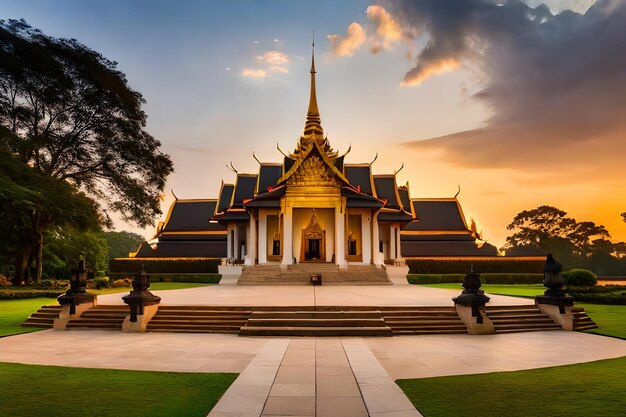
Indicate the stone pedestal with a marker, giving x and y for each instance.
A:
(473, 298)
(143, 304)
(554, 296)
(473, 327)
(565, 318)
(76, 300)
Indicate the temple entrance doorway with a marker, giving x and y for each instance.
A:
(313, 242)
(313, 252)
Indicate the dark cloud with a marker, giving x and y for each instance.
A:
(556, 83)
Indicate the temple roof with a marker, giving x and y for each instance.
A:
(183, 249)
(446, 248)
(437, 215)
(190, 215)
(387, 189)
(360, 176)
(244, 188)
(268, 176)
(226, 195)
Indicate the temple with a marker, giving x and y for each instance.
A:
(314, 207)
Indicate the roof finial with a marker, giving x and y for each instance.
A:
(313, 123)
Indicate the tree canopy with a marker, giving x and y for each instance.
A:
(74, 117)
(577, 244)
(121, 243)
(73, 146)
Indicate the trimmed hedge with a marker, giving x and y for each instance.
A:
(462, 266)
(6, 294)
(191, 278)
(610, 294)
(164, 266)
(579, 278)
(489, 278)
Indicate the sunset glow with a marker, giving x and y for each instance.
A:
(519, 107)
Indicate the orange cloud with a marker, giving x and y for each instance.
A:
(274, 58)
(387, 28)
(253, 73)
(349, 44)
(278, 68)
(421, 72)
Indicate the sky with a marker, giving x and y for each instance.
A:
(519, 104)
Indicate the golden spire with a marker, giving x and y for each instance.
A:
(313, 124)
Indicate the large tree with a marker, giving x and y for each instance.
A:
(550, 229)
(121, 243)
(69, 113)
(30, 203)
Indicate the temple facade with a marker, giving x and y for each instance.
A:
(314, 207)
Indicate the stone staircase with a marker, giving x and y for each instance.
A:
(199, 319)
(316, 321)
(423, 320)
(44, 317)
(300, 274)
(101, 317)
(581, 320)
(508, 319)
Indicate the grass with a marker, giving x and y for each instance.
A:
(154, 286)
(611, 319)
(14, 312)
(520, 290)
(588, 389)
(106, 392)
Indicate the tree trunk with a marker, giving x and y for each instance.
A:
(21, 266)
(39, 253)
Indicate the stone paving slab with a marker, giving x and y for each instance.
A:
(295, 295)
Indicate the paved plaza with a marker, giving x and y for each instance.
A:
(348, 376)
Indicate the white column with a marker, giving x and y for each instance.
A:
(236, 246)
(398, 244)
(366, 238)
(287, 236)
(392, 242)
(251, 242)
(229, 242)
(340, 237)
(375, 241)
(262, 236)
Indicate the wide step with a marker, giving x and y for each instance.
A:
(329, 321)
(43, 318)
(206, 319)
(101, 317)
(300, 274)
(423, 320)
(510, 319)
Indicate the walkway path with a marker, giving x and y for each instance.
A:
(317, 374)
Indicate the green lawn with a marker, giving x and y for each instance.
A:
(14, 312)
(521, 290)
(610, 319)
(154, 286)
(33, 390)
(589, 389)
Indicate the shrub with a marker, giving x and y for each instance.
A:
(462, 266)
(14, 294)
(165, 266)
(4, 282)
(488, 278)
(580, 278)
(52, 283)
(123, 282)
(100, 282)
(197, 278)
